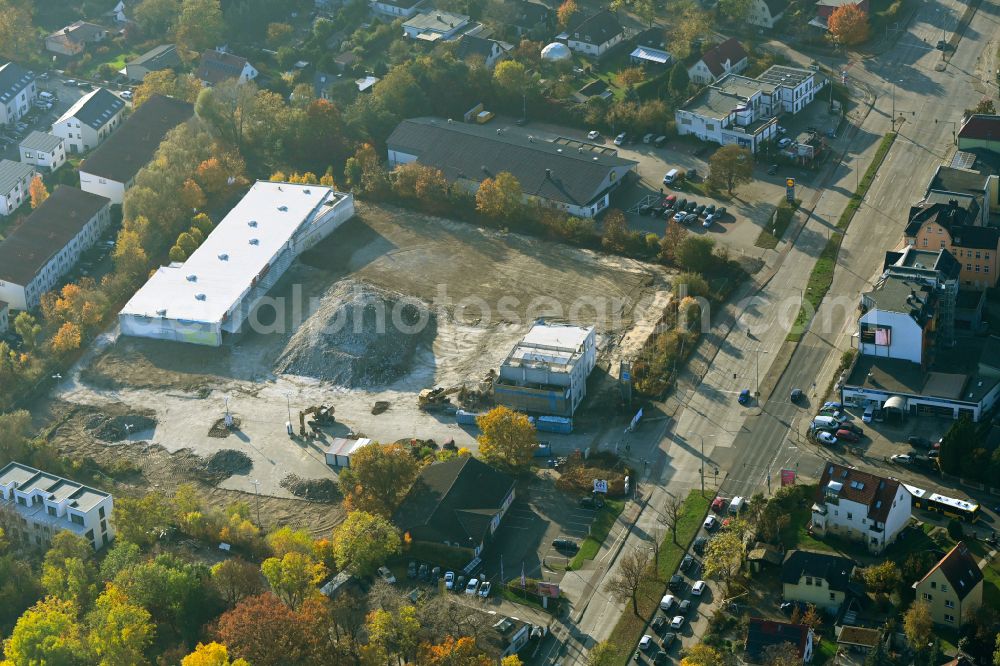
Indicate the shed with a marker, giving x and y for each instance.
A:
(339, 453)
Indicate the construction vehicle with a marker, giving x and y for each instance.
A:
(322, 415)
(436, 398)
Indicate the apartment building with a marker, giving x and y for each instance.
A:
(15, 177)
(17, 92)
(860, 506)
(43, 150)
(953, 588)
(91, 120)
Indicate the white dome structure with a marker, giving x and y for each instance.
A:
(556, 51)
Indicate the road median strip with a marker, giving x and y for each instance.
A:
(599, 530)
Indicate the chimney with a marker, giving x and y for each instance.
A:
(548, 174)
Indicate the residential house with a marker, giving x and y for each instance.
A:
(323, 82)
(218, 66)
(111, 169)
(459, 502)
(952, 223)
(15, 177)
(953, 588)
(821, 579)
(596, 34)
(40, 505)
(436, 26)
(858, 639)
(898, 320)
(650, 50)
(366, 83)
(533, 19)
(981, 186)
(979, 131)
(396, 8)
(90, 120)
(505, 635)
(860, 506)
(762, 634)
(4, 317)
(574, 177)
(161, 57)
(43, 150)
(766, 13)
(50, 241)
(729, 57)
(74, 38)
(17, 92)
(826, 7)
(489, 51)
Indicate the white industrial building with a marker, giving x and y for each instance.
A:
(44, 150)
(546, 373)
(49, 242)
(341, 449)
(212, 293)
(46, 504)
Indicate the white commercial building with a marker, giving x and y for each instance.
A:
(90, 120)
(436, 26)
(546, 373)
(44, 248)
(213, 293)
(39, 505)
(17, 92)
(15, 177)
(44, 150)
(860, 506)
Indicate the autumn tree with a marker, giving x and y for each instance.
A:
(624, 585)
(166, 82)
(142, 520)
(66, 339)
(236, 579)
(200, 25)
(782, 654)
(290, 540)
(679, 80)
(266, 632)
(507, 440)
(736, 11)
(394, 634)
(918, 625)
(602, 654)
(363, 542)
(690, 23)
(37, 191)
(293, 576)
(279, 34)
(211, 654)
(812, 618)
(730, 166)
(702, 655)
(882, 578)
(120, 631)
(17, 33)
(192, 195)
(156, 17)
(696, 253)
(567, 10)
(510, 78)
(848, 25)
(211, 176)
(47, 633)
(501, 197)
(378, 478)
(452, 652)
(68, 571)
(26, 326)
(129, 256)
(724, 557)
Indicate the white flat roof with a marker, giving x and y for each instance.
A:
(238, 250)
(653, 55)
(555, 345)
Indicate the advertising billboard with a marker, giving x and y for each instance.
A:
(876, 335)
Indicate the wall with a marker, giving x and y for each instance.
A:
(111, 189)
(10, 201)
(818, 593)
(906, 338)
(17, 107)
(50, 161)
(13, 295)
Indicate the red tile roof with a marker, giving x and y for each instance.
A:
(873, 491)
(715, 58)
(980, 127)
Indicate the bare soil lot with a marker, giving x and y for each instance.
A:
(392, 303)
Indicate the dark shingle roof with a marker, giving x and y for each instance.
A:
(473, 152)
(132, 147)
(965, 181)
(960, 568)
(454, 501)
(161, 57)
(97, 108)
(13, 79)
(873, 491)
(530, 14)
(470, 45)
(776, 7)
(761, 634)
(981, 126)
(597, 29)
(835, 570)
(730, 50)
(46, 231)
(217, 66)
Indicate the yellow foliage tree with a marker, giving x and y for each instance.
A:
(849, 25)
(702, 655)
(37, 191)
(508, 438)
(500, 198)
(567, 10)
(67, 338)
(211, 654)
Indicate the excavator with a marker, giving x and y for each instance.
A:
(436, 398)
(322, 415)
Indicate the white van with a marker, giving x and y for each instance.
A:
(671, 176)
(46, 96)
(737, 505)
(825, 423)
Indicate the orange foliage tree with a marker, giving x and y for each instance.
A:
(266, 632)
(567, 10)
(37, 191)
(66, 339)
(849, 25)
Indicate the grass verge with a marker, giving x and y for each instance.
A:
(511, 591)
(772, 233)
(822, 274)
(599, 530)
(631, 626)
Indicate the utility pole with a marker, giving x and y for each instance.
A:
(256, 487)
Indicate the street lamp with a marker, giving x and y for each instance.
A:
(702, 467)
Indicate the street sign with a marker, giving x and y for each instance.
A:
(550, 590)
(787, 477)
(790, 190)
(601, 486)
(635, 421)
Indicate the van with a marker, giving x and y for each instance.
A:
(869, 412)
(671, 176)
(825, 423)
(47, 96)
(736, 505)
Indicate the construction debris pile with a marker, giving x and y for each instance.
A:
(119, 428)
(220, 430)
(358, 337)
(227, 462)
(314, 490)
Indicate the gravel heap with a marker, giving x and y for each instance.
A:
(315, 490)
(114, 429)
(226, 462)
(353, 339)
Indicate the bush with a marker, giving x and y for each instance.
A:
(955, 530)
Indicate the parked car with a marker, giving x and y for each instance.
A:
(676, 583)
(484, 589)
(710, 208)
(681, 204)
(646, 642)
(459, 584)
(782, 130)
(826, 438)
(659, 141)
(449, 580)
(692, 206)
(565, 544)
(670, 200)
(708, 222)
(593, 135)
(620, 139)
(919, 442)
(424, 572)
(744, 397)
(711, 523)
(698, 588)
(667, 602)
(689, 219)
(700, 210)
(699, 544)
(472, 586)
(720, 212)
(677, 622)
(853, 427)
(687, 562)
(684, 608)
(796, 395)
(679, 215)
(588, 502)
(847, 435)
(661, 657)
(668, 639)
(719, 504)
(386, 575)
(933, 454)
(645, 209)
(411, 570)
(658, 623)
(125, 94)
(901, 459)
(647, 138)
(784, 143)
(869, 412)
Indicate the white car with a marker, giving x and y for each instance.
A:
(901, 459)
(826, 438)
(125, 94)
(782, 130)
(648, 138)
(679, 215)
(710, 523)
(677, 622)
(620, 139)
(484, 589)
(667, 602)
(645, 642)
(387, 575)
(449, 580)
(784, 143)
(698, 588)
(593, 135)
(709, 219)
(472, 586)
(867, 416)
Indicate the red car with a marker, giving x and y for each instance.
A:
(669, 199)
(847, 435)
(719, 504)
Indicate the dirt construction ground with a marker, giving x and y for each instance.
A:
(391, 303)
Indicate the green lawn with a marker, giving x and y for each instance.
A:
(630, 626)
(116, 58)
(603, 522)
(772, 234)
(991, 574)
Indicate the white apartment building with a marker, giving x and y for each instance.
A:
(17, 92)
(43, 150)
(4, 317)
(90, 120)
(45, 247)
(15, 177)
(42, 505)
(860, 506)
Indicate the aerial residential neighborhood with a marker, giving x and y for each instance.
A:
(514, 332)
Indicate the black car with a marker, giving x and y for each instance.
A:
(773, 169)
(411, 570)
(459, 585)
(690, 218)
(659, 622)
(692, 206)
(565, 544)
(796, 395)
(424, 573)
(709, 209)
(700, 210)
(645, 209)
(669, 211)
(686, 562)
(668, 639)
(699, 544)
(676, 583)
(661, 657)
(657, 211)
(681, 204)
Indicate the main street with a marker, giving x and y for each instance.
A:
(748, 445)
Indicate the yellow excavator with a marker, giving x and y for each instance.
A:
(322, 415)
(436, 398)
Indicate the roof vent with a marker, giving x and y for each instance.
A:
(306, 191)
(192, 278)
(161, 313)
(254, 241)
(252, 224)
(223, 257)
(283, 209)
(199, 297)
(548, 173)
(450, 121)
